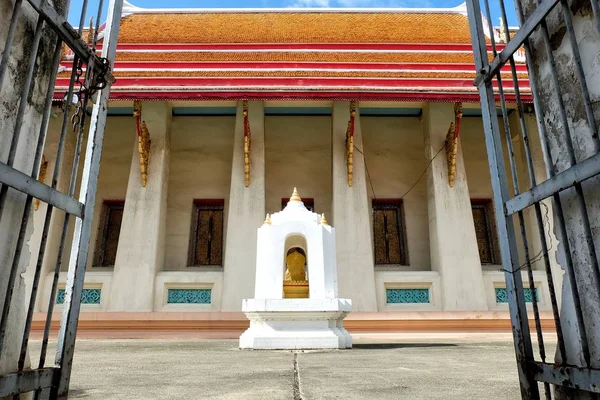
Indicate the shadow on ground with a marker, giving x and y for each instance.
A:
(387, 346)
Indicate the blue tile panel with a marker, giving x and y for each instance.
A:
(189, 296)
(502, 295)
(88, 296)
(407, 296)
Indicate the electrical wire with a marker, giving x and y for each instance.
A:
(413, 185)
(546, 223)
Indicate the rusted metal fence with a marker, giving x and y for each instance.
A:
(539, 372)
(90, 83)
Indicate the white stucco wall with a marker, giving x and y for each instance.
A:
(472, 141)
(298, 154)
(200, 168)
(119, 139)
(393, 148)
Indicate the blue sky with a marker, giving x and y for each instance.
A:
(93, 5)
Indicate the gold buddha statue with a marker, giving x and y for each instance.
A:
(295, 285)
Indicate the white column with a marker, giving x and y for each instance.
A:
(140, 252)
(246, 210)
(452, 239)
(351, 216)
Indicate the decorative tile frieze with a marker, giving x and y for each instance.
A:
(88, 296)
(407, 296)
(189, 296)
(502, 295)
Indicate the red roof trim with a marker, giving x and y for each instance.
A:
(366, 83)
(249, 47)
(302, 95)
(222, 65)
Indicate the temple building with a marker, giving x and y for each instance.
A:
(217, 114)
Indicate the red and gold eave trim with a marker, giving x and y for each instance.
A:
(301, 95)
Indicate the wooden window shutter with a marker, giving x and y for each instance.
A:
(389, 232)
(206, 241)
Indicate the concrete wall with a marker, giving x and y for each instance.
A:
(393, 148)
(200, 168)
(298, 153)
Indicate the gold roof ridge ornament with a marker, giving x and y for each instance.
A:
(143, 140)
(350, 143)
(451, 143)
(90, 32)
(295, 196)
(246, 143)
(268, 220)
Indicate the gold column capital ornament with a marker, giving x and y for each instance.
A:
(143, 141)
(246, 143)
(451, 143)
(350, 143)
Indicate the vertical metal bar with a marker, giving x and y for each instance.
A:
(89, 181)
(550, 170)
(22, 104)
(514, 284)
(98, 17)
(42, 249)
(9, 39)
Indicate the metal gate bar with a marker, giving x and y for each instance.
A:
(98, 79)
(530, 371)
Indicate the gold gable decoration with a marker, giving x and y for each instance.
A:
(41, 178)
(452, 142)
(143, 140)
(350, 143)
(90, 32)
(246, 143)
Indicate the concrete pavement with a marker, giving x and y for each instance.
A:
(431, 368)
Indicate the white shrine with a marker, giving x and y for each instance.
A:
(295, 304)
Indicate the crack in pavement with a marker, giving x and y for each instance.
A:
(296, 384)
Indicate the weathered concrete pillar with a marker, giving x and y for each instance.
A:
(351, 217)
(140, 252)
(531, 224)
(588, 41)
(452, 239)
(246, 210)
(12, 86)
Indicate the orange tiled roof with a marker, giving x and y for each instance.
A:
(196, 54)
(287, 27)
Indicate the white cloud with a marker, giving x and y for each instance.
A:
(310, 3)
(359, 3)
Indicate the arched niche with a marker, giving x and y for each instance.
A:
(295, 288)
